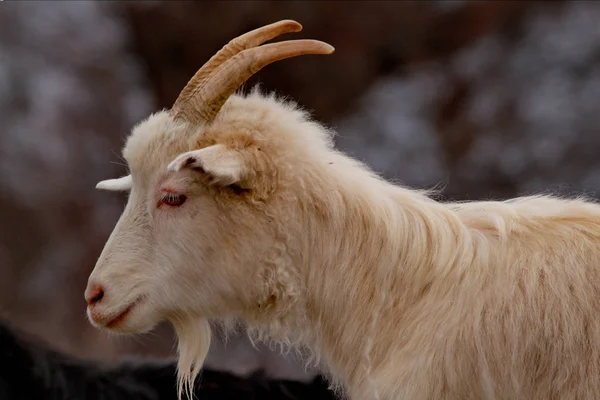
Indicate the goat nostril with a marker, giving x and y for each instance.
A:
(95, 295)
(98, 297)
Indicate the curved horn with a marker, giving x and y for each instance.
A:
(207, 100)
(248, 40)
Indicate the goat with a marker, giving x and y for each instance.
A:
(240, 207)
(30, 370)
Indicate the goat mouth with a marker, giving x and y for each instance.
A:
(121, 317)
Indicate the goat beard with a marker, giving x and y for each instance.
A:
(193, 337)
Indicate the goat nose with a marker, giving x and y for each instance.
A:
(94, 294)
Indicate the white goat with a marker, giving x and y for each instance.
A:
(240, 207)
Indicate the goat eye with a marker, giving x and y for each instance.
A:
(173, 199)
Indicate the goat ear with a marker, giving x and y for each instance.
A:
(115, 185)
(224, 165)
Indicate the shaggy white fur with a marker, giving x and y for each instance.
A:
(391, 289)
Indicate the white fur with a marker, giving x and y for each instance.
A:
(400, 296)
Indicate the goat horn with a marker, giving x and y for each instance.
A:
(210, 97)
(248, 40)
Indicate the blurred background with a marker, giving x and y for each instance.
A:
(483, 99)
